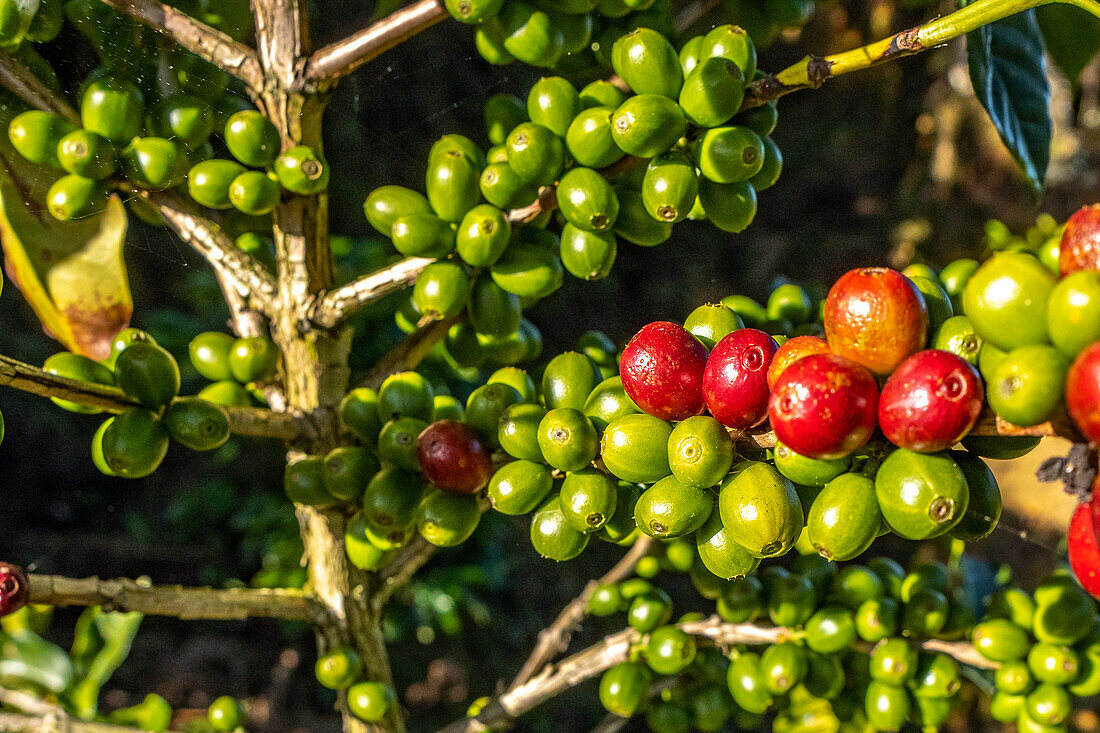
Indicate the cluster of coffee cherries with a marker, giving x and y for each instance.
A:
(341, 669)
(144, 130)
(154, 713)
(1047, 648)
(614, 166)
(562, 34)
(848, 648)
(236, 367)
(133, 443)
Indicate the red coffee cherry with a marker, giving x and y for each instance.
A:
(824, 406)
(876, 317)
(791, 351)
(930, 401)
(662, 371)
(735, 381)
(14, 588)
(1080, 245)
(1084, 553)
(453, 458)
(1083, 392)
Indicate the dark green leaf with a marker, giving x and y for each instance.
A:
(1006, 68)
(27, 658)
(1072, 37)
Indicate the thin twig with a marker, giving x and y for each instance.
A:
(16, 77)
(26, 703)
(343, 302)
(338, 59)
(401, 568)
(197, 37)
(168, 600)
(554, 639)
(555, 678)
(247, 421)
(243, 272)
(611, 723)
(407, 354)
(57, 723)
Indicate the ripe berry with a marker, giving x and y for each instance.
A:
(452, 457)
(1083, 392)
(662, 371)
(824, 406)
(930, 401)
(13, 588)
(791, 351)
(735, 385)
(1084, 554)
(876, 317)
(1080, 246)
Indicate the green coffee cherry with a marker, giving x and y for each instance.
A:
(391, 499)
(423, 235)
(520, 487)
(112, 109)
(844, 519)
(772, 167)
(208, 182)
(720, 554)
(648, 63)
(196, 423)
(485, 408)
(647, 125)
(386, 204)
(730, 154)
(301, 170)
(528, 271)
(452, 184)
(733, 43)
(761, 120)
(148, 373)
(634, 224)
(252, 138)
(729, 206)
(446, 520)
(518, 431)
(670, 508)
(712, 92)
(568, 380)
(473, 12)
(587, 255)
(76, 197)
(492, 310)
(502, 113)
(712, 322)
(587, 201)
(1026, 386)
(132, 444)
(535, 153)
(254, 193)
(607, 402)
(502, 187)
(567, 439)
(76, 366)
(635, 448)
(588, 499)
(442, 290)
(482, 235)
(253, 359)
(551, 535)
(700, 451)
(36, 135)
(347, 470)
(670, 187)
(553, 103)
(86, 154)
(761, 509)
(531, 35)
(590, 140)
(152, 162)
(601, 93)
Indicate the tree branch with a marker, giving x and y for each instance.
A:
(553, 679)
(168, 600)
(56, 723)
(237, 268)
(554, 639)
(407, 354)
(335, 306)
(247, 421)
(325, 67)
(401, 568)
(16, 77)
(197, 37)
(813, 71)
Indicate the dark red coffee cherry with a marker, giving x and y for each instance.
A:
(453, 458)
(662, 371)
(824, 406)
(735, 381)
(13, 588)
(930, 402)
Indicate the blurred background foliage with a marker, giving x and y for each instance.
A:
(893, 165)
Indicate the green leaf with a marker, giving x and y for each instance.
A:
(100, 644)
(1006, 68)
(71, 273)
(27, 658)
(1072, 37)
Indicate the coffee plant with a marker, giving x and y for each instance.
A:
(758, 448)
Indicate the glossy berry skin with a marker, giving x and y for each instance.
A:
(13, 588)
(662, 371)
(824, 406)
(452, 457)
(876, 317)
(735, 384)
(930, 401)
(1084, 553)
(1080, 246)
(791, 351)
(1083, 392)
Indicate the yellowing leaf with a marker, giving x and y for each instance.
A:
(71, 273)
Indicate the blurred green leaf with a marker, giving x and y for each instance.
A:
(27, 658)
(101, 643)
(1006, 68)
